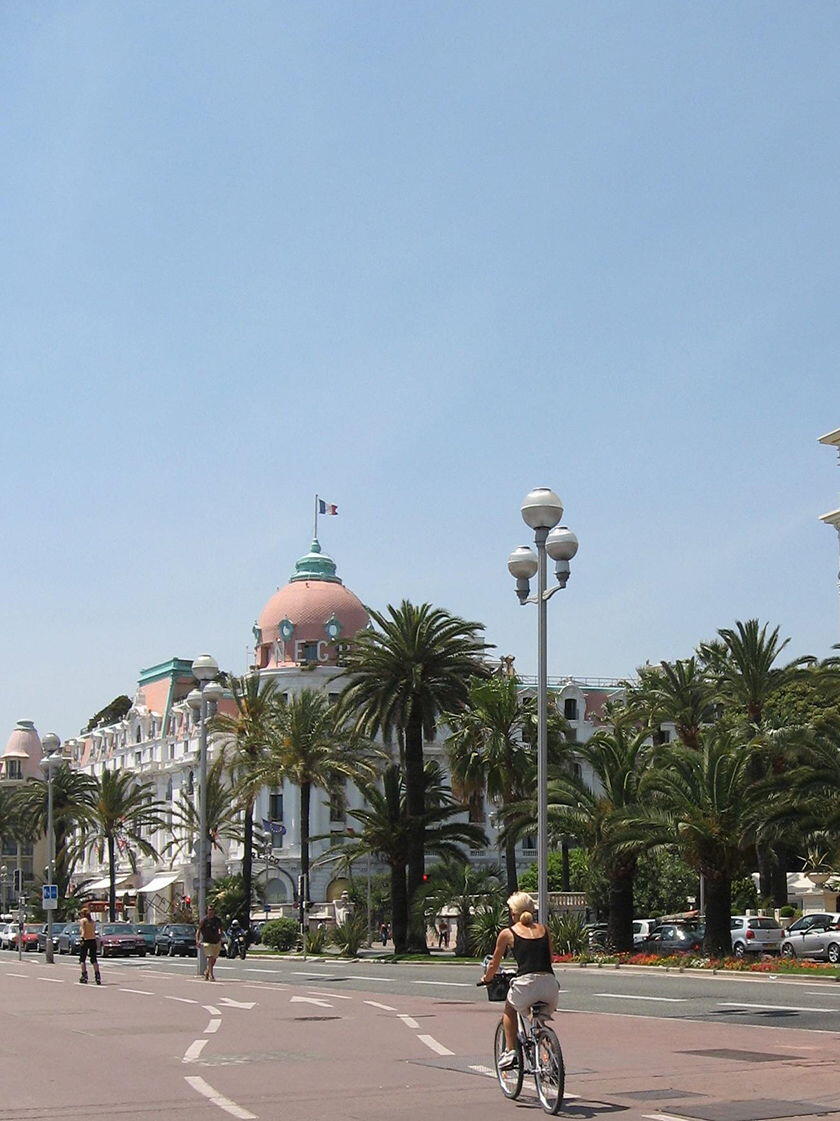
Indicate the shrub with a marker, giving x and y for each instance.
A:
(315, 940)
(788, 911)
(349, 935)
(279, 934)
(568, 934)
(485, 923)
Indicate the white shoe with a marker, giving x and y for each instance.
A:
(507, 1059)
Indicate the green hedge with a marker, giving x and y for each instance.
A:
(279, 934)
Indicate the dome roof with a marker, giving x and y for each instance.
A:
(303, 620)
(25, 744)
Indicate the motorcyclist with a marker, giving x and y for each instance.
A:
(237, 940)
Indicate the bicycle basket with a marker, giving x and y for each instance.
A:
(497, 987)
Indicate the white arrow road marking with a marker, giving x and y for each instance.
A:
(212, 1009)
(229, 1003)
(409, 1021)
(433, 1045)
(310, 1000)
(659, 999)
(219, 1099)
(774, 1007)
(384, 1007)
(212, 1027)
(194, 1050)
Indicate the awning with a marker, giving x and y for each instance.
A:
(161, 881)
(100, 885)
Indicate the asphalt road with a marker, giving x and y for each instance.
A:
(754, 999)
(365, 1041)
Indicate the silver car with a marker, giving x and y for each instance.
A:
(814, 936)
(754, 934)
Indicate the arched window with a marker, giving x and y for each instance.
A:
(190, 783)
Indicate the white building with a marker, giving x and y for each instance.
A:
(158, 740)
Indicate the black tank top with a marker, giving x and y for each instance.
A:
(532, 954)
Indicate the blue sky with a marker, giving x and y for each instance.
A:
(418, 258)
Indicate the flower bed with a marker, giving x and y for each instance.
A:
(692, 961)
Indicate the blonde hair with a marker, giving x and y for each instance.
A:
(522, 907)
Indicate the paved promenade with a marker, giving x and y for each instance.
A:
(299, 1039)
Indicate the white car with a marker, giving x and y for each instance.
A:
(814, 936)
(754, 934)
(642, 928)
(7, 932)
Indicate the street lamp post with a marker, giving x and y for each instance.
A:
(542, 511)
(205, 668)
(52, 759)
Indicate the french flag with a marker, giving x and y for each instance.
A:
(326, 507)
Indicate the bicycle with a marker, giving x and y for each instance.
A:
(538, 1051)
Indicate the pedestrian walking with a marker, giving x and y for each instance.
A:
(87, 947)
(443, 935)
(384, 931)
(209, 934)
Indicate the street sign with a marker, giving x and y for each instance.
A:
(49, 897)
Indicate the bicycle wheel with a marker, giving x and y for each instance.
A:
(510, 1080)
(550, 1073)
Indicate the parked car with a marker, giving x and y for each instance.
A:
(176, 939)
(29, 937)
(148, 930)
(596, 935)
(121, 938)
(814, 936)
(674, 938)
(6, 934)
(754, 934)
(642, 928)
(70, 939)
(42, 935)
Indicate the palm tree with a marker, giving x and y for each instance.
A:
(311, 747)
(705, 802)
(459, 884)
(402, 676)
(491, 749)
(220, 818)
(73, 799)
(742, 665)
(595, 814)
(742, 662)
(386, 830)
(123, 810)
(678, 693)
(244, 736)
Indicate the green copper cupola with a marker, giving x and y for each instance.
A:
(315, 566)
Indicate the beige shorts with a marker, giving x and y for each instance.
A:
(531, 988)
(212, 949)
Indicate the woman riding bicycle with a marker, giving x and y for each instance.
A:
(535, 982)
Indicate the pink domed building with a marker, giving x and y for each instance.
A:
(306, 621)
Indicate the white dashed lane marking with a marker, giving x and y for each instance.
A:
(194, 1050)
(384, 1007)
(409, 1021)
(433, 1045)
(219, 1099)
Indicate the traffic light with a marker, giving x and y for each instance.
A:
(425, 877)
(187, 900)
(18, 885)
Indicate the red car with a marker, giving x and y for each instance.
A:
(121, 938)
(29, 937)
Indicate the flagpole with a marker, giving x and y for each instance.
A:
(315, 531)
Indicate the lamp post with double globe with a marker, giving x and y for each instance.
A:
(542, 510)
(51, 761)
(204, 669)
